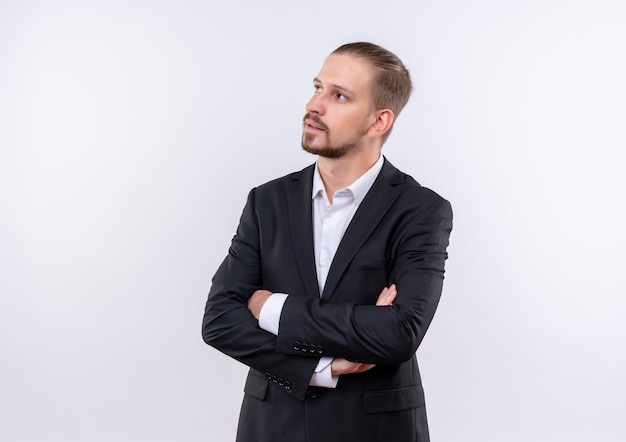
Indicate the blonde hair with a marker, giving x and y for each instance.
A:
(391, 84)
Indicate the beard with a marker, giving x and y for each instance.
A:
(328, 150)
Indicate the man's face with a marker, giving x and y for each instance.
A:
(340, 112)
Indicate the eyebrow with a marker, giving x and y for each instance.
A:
(335, 86)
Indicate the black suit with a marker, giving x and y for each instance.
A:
(399, 234)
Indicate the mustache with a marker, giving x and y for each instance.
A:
(316, 119)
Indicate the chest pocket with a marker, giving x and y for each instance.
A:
(368, 265)
(363, 280)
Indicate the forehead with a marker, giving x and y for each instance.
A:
(347, 72)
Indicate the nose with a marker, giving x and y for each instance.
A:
(316, 104)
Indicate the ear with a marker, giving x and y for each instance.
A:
(382, 123)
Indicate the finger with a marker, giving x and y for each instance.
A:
(382, 298)
(365, 367)
(392, 293)
(387, 295)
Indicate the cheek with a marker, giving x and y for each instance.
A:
(345, 123)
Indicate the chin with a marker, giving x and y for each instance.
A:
(315, 150)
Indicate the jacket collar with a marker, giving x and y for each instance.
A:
(375, 205)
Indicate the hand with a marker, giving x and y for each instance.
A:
(341, 366)
(387, 296)
(256, 301)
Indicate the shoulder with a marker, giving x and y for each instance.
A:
(410, 189)
(283, 181)
(276, 190)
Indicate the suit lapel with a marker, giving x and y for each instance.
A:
(301, 222)
(373, 208)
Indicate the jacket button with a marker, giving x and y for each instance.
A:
(297, 346)
(287, 385)
(305, 347)
(320, 349)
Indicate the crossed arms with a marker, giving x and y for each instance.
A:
(346, 329)
(339, 366)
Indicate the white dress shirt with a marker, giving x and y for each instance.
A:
(330, 222)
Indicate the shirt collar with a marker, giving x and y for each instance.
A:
(359, 188)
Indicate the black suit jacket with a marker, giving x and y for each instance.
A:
(399, 234)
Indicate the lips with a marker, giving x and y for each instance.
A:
(312, 122)
(311, 125)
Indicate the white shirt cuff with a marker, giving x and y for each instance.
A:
(323, 376)
(269, 317)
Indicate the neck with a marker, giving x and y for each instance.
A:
(337, 173)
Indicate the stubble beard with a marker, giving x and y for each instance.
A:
(327, 150)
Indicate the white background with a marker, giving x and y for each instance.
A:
(131, 132)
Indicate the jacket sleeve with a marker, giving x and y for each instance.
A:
(229, 326)
(379, 335)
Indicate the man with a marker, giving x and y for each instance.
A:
(335, 273)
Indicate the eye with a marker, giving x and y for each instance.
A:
(317, 89)
(341, 97)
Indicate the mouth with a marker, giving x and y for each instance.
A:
(310, 125)
(313, 124)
